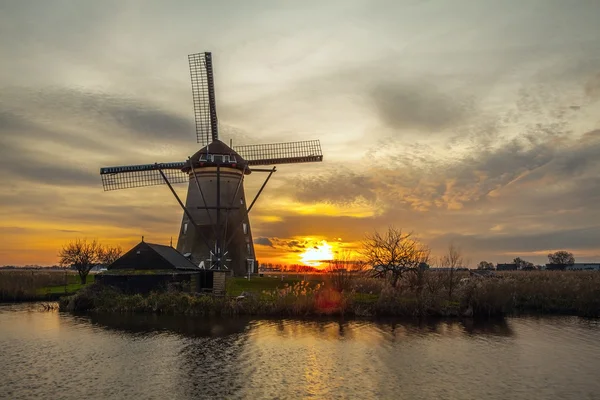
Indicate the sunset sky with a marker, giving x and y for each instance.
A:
(473, 122)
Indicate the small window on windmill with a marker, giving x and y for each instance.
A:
(185, 228)
(241, 201)
(217, 158)
(202, 157)
(245, 227)
(248, 248)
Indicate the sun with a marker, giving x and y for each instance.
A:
(313, 255)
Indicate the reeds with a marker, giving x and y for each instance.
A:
(25, 285)
(426, 294)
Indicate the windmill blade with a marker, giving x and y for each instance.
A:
(281, 153)
(131, 176)
(203, 93)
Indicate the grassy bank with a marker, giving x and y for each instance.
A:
(34, 285)
(423, 294)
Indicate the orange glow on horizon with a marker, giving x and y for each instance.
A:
(314, 255)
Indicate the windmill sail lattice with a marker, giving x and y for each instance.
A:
(215, 224)
(281, 153)
(203, 94)
(131, 176)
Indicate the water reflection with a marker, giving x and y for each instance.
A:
(333, 329)
(193, 327)
(51, 354)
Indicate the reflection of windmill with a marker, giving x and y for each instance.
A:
(215, 227)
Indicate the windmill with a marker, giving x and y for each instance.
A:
(215, 229)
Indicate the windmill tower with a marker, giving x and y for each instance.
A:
(215, 228)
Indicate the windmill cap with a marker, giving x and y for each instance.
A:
(216, 147)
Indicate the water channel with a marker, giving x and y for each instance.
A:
(47, 354)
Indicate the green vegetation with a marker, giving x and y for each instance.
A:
(237, 286)
(28, 285)
(422, 294)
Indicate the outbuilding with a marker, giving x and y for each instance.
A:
(149, 267)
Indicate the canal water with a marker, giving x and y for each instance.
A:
(60, 356)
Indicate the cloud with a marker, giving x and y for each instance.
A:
(63, 136)
(592, 87)
(519, 187)
(338, 186)
(99, 113)
(421, 106)
(265, 241)
(510, 244)
(26, 164)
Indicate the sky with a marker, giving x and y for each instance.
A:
(469, 122)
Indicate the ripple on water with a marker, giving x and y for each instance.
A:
(57, 355)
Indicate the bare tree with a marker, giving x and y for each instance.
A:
(108, 254)
(452, 260)
(394, 253)
(82, 255)
(343, 269)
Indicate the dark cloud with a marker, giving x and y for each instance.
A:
(26, 164)
(102, 112)
(289, 245)
(10, 122)
(265, 241)
(109, 126)
(23, 127)
(592, 86)
(419, 106)
(337, 186)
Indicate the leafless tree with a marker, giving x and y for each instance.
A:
(452, 260)
(108, 254)
(343, 269)
(82, 255)
(394, 253)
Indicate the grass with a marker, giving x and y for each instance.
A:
(28, 285)
(236, 286)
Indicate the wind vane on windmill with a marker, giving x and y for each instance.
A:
(215, 227)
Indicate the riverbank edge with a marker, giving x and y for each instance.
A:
(106, 300)
(54, 297)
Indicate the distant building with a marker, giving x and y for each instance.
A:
(506, 267)
(583, 267)
(440, 269)
(573, 267)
